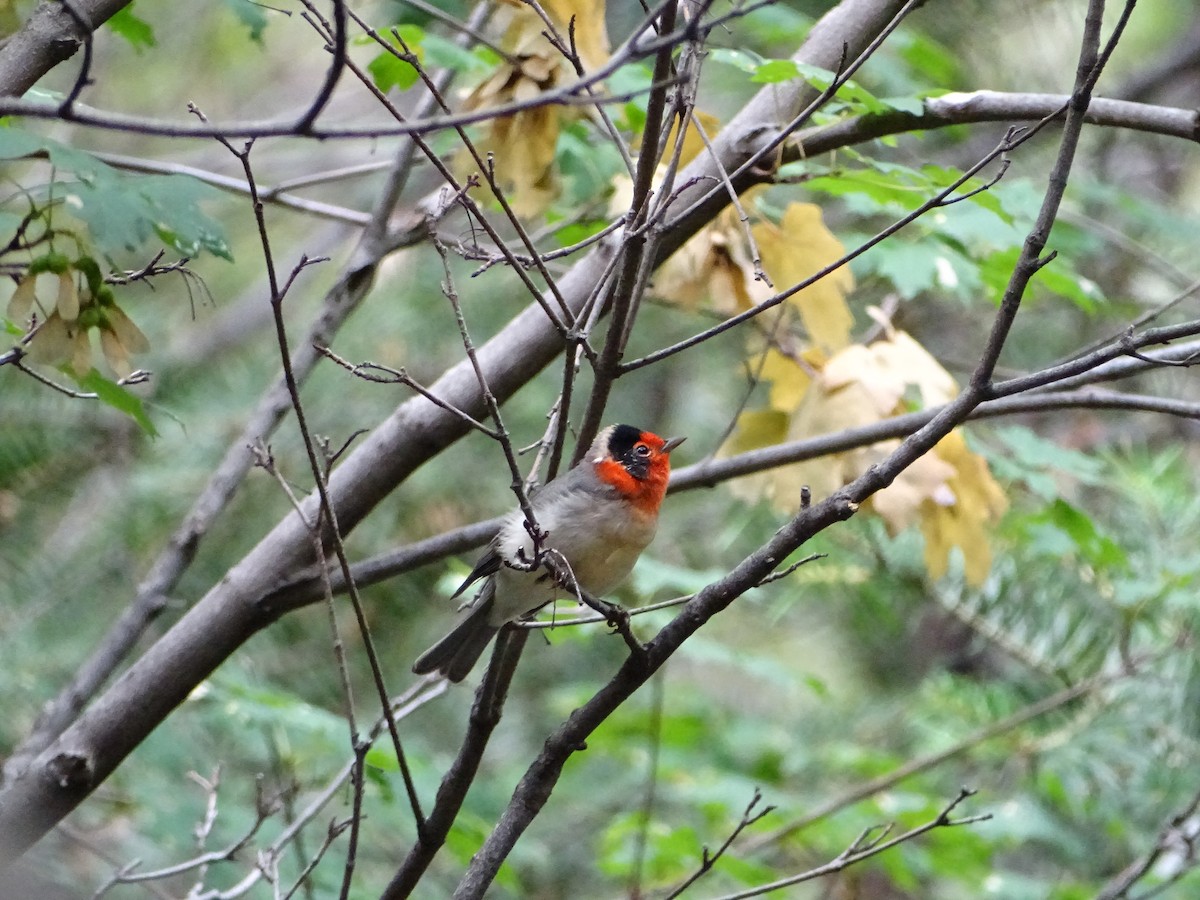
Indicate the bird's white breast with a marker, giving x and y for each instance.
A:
(600, 547)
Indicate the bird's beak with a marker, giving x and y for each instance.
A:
(671, 443)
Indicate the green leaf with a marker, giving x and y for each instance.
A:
(1058, 278)
(1083, 536)
(449, 55)
(587, 166)
(914, 106)
(1027, 457)
(916, 267)
(123, 211)
(776, 70)
(180, 221)
(931, 61)
(629, 80)
(136, 31)
(777, 25)
(251, 14)
(9, 222)
(772, 71)
(578, 231)
(119, 399)
(857, 97)
(383, 757)
(16, 143)
(906, 188)
(883, 186)
(744, 60)
(388, 71)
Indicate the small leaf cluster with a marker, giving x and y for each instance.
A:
(82, 303)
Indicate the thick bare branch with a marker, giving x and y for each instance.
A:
(49, 36)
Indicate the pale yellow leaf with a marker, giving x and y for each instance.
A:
(714, 265)
(693, 143)
(901, 503)
(54, 341)
(960, 519)
(115, 353)
(909, 361)
(798, 248)
(789, 380)
(20, 305)
(68, 297)
(890, 368)
(524, 146)
(81, 353)
(949, 493)
(591, 36)
(825, 411)
(126, 331)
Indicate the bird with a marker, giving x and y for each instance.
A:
(598, 517)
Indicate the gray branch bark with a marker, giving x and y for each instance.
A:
(49, 36)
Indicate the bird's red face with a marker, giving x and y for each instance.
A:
(638, 464)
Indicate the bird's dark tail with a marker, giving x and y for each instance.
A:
(456, 654)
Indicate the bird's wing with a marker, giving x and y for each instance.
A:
(488, 564)
(575, 481)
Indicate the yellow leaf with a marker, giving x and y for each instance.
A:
(821, 411)
(20, 305)
(890, 368)
(126, 331)
(591, 36)
(524, 146)
(693, 143)
(901, 503)
(949, 492)
(54, 341)
(68, 297)
(797, 248)
(959, 518)
(713, 265)
(789, 380)
(757, 428)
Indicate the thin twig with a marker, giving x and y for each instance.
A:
(707, 860)
(485, 715)
(328, 513)
(1178, 833)
(870, 843)
(367, 371)
(606, 366)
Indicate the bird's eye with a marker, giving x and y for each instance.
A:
(641, 450)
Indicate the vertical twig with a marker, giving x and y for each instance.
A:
(608, 362)
(327, 514)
